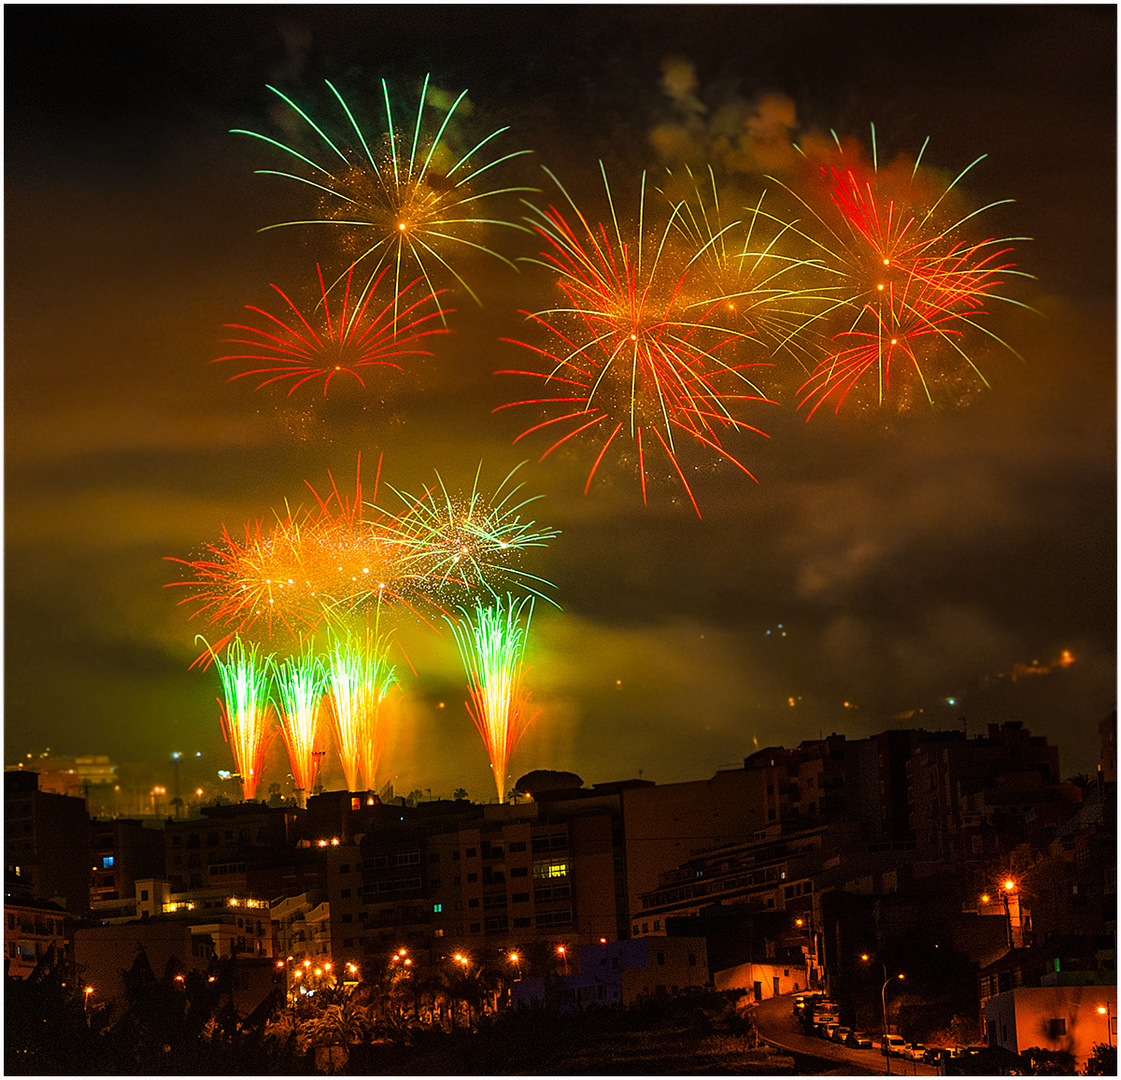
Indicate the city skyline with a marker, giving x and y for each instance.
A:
(925, 569)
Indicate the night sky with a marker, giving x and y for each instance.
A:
(917, 569)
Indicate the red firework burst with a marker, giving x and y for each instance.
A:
(908, 290)
(359, 333)
(629, 355)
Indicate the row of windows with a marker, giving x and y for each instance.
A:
(384, 888)
(384, 862)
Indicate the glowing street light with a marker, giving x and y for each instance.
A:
(1105, 1011)
(883, 1002)
(563, 954)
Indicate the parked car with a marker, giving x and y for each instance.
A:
(840, 1033)
(892, 1045)
(859, 1040)
(828, 1029)
(935, 1055)
(914, 1051)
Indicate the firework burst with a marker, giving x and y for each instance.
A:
(245, 711)
(492, 643)
(359, 334)
(749, 271)
(320, 565)
(407, 200)
(358, 677)
(630, 355)
(909, 289)
(451, 542)
(299, 683)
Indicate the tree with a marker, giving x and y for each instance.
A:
(1102, 1061)
(459, 793)
(547, 780)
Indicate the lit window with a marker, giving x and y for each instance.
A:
(106, 862)
(437, 907)
(550, 869)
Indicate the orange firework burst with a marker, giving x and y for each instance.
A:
(908, 289)
(492, 644)
(358, 335)
(749, 268)
(631, 356)
(318, 565)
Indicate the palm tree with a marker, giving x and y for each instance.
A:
(333, 1031)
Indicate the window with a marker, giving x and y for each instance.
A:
(520, 898)
(106, 862)
(657, 924)
(434, 857)
(519, 871)
(355, 802)
(345, 894)
(692, 959)
(473, 901)
(472, 877)
(473, 928)
(347, 917)
(551, 869)
(516, 845)
(470, 853)
(661, 957)
(521, 924)
(437, 908)
(1057, 1027)
(549, 919)
(143, 895)
(344, 868)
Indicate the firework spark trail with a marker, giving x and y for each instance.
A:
(299, 684)
(903, 277)
(356, 336)
(400, 201)
(359, 676)
(749, 269)
(245, 712)
(492, 644)
(631, 355)
(450, 543)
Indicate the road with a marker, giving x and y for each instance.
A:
(777, 1026)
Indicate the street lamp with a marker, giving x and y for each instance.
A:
(883, 1003)
(1007, 893)
(563, 954)
(1104, 1010)
(516, 960)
